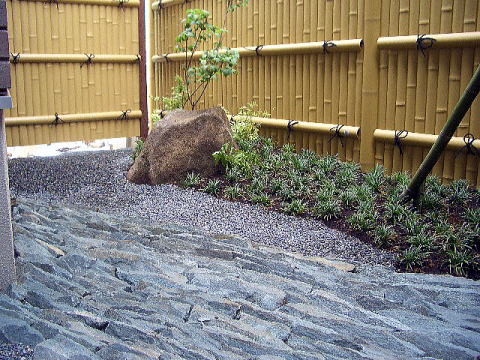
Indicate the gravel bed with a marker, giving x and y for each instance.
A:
(17, 352)
(97, 181)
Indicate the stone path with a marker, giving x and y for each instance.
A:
(98, 287)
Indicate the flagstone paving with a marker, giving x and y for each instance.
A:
(96, 286)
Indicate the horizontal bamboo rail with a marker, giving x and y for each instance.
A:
(350, 45)
(166, 3)
(73, 118)
(454, 40)
(119, 3)
(73, 58)
(309, 127)
(422, 140)
(303, 126)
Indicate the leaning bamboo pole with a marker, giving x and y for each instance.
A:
(70, 118)
(279, 49)
(452, 40)
(471, 92)
(72, 58)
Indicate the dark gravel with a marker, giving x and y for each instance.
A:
(97, 180)
(18, 352)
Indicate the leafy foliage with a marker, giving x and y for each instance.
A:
(139, 144)
(191, 86)
(440, 235)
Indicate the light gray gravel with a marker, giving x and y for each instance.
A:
(18, 352)
(97, 180)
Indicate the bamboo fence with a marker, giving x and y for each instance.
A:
(397, 85)
(75, 70)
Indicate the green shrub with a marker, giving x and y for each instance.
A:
(459, 192)
(362, 220)
(139, 144)
(375, 178)
(459, 261)
(232, 192)
(421, 240)
(295, 207)
(348, 198)
(413, 258)
(383, 235)
(261, 199)
(191, 180)
(327, 210)
(473, 217)
(212, 187)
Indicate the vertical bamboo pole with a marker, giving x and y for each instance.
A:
(392, 83)
(412, 57)
(370, 83)
(142, 42)
(344, 150)
(432, 82)
(359, 76)
(335, 144)
(456, 165)
(469, 22)
(351, 76)
(320, 79)
(327, 95)
(422, 75)
(402, 69)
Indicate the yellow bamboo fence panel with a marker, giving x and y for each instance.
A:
(75, 70)
(397, 66)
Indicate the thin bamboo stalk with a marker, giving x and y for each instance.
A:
(88, 117)
(280, 49)
(73, 58)
(452, 40)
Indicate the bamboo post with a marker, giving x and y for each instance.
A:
(142, 39)
(443, 139)
(370, 84)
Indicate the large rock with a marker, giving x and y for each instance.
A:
(182, 142)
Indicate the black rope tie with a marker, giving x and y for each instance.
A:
(162, 114)
(336, 133)
(469, 139)
(166, 58)
(258, 48)
(15, 58)
(326, 45)
(139, 58)
(121, 4)
(124, 115)
(424, 43)
(290, 125)
(399, 135)
(89, 60)
(53, 2)
(57, 120)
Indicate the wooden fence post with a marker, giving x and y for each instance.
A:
(7, 262)
(153, 51)
(370, 83)
(142, 43)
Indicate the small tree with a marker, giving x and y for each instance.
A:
(219, 61)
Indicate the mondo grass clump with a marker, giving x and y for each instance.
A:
(441, 234)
